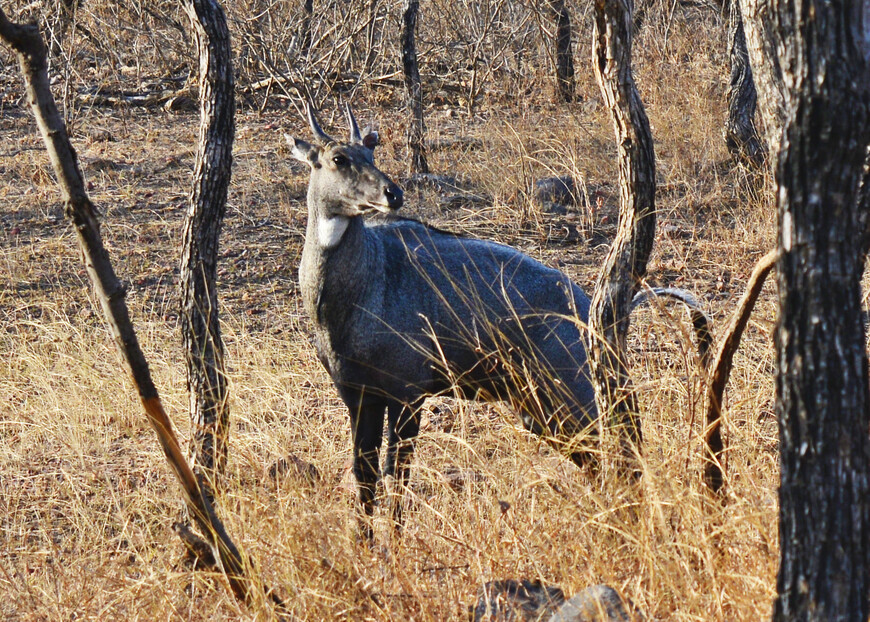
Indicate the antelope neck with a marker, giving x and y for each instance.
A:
(331, 230)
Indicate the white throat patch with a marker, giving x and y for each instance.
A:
(330, 230)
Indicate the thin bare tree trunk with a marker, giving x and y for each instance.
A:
(200, 322)
(305, 26)
(29, 45)
(741, 136)
(416, 128)
(66, 10)
(822, 392)
(626, 262)
(371, 36)
(766, 71)
(564, 50)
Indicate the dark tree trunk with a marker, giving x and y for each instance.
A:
(741, 136)
(626, 262)
(822, 395)
(305, 26)
(30, 48)
(200, 324)
(416, 128)
(564, 49)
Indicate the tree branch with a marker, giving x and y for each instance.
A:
(721, 371)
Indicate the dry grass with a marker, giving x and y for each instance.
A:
(86, 501)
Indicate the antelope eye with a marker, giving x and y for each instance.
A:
(340, 160)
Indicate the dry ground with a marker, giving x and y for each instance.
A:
(86, 500)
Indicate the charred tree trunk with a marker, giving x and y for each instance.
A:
(626, 262)
(416, 128)
(200, 323)
(766, 70)
(564, 50)
(305, 26)
(30, 48)
(741, 136)
(822, 395)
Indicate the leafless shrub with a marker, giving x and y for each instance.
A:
(468, 51)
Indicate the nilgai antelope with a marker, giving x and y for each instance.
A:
(402, 311)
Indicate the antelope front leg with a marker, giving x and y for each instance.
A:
(404, 425)
(367, 423)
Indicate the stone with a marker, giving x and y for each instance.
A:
(516, 601)
(599, 603)
(460, 201)
(430, 181)
(457, 479)
(181, 103)
(555, 190)
(296, 467)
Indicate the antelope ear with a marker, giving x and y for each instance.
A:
(370, 139)
(301, 150)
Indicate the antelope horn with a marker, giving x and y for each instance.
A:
(352, 124)
(322, 136)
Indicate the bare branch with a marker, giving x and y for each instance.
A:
(721, 370)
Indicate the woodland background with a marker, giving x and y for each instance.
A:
(86, 500)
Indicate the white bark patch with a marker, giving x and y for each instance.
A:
(330, 230)
(787, 231)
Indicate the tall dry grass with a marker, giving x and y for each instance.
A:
(86, 501)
